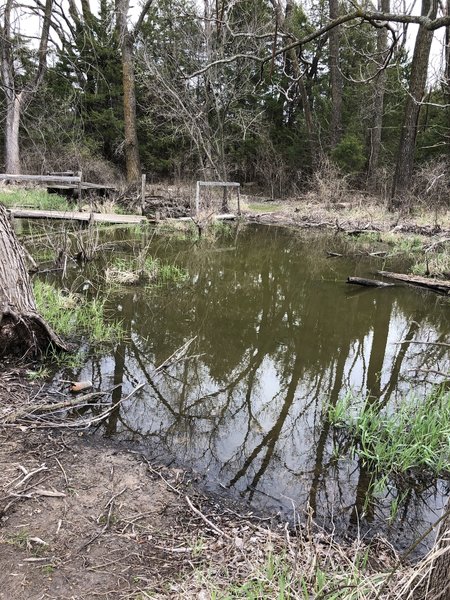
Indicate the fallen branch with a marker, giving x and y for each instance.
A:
(425, 343)
(369, 282)
(26, 411)
(440, 286)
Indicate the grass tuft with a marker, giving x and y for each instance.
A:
(35, 199)
(148, 270)
(415, 437)
(71, 314)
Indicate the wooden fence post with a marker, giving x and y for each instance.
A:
(143, 184)
(197, 198)
(80, 175)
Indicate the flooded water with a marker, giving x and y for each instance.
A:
(278, 335)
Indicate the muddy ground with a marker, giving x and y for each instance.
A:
(84, 518)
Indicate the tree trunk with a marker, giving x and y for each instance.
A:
(335, 79)
(416, 92)
(10, 66)
(439, 582)
(307, 110)
(13, 111)
(284, 23)
(23, 332)
(378, 100)
(133, 163)
(132, 159)
(447, 56)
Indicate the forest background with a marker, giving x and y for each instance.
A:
(276, 93)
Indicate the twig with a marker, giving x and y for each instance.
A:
(175, 356)
(425, 343)
(29, 474)
(206, 520)
(108, 505)
(152, 470)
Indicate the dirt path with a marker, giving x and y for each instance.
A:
(85, 521)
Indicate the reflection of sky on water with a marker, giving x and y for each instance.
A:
(278, 337)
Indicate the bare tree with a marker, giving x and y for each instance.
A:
(378, 97)
(127, 39)
(336, 82)
(213, 111)
(13, 73)
(416, 93)
(22, 330)
(284, 25)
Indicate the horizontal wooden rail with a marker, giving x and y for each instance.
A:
(222, 184)
(42, 178)
(219, 183)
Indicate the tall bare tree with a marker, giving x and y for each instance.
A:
(127, 38)
(19, 83)
(284, 24)
(414, 100)
(378, 98)
(336, 82)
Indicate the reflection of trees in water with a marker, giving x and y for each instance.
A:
(280, 338)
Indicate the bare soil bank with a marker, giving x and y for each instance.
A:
(359, 214)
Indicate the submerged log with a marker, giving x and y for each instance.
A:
(441, 286)
(369, 282)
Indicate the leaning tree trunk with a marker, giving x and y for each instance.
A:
(23, 332)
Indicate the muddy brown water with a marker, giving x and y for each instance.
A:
(277, 335)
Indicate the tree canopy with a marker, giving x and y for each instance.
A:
(265, 91)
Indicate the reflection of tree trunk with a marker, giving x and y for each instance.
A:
(269, 440)
(377, 353)
(119, 364)
(416, 92)
(119, 369)
(334, 396)
(382, 317)
(395, 371)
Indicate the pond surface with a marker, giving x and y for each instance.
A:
(277, 335)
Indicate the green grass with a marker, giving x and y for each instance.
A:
(264, 206)
(413, 437)
(36, 199)
(437, 265)
(39, 373)
(71, 314)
